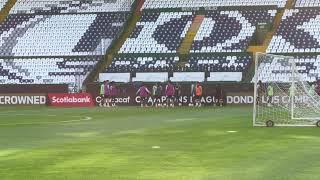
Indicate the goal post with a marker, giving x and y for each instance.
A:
(282, 95)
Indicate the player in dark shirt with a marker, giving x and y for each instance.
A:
(178, 94)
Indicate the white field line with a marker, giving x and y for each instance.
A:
(182, 120)
(25, 112)
(57, 122)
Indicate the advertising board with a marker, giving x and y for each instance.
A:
(70, 100)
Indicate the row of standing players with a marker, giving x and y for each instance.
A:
(172, 93)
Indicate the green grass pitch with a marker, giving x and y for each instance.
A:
(131, 143)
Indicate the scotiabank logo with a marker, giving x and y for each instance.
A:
(11, 99)
(71, 100)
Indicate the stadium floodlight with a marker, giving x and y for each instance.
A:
(282, 96)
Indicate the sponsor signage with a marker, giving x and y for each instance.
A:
(71, 100)
(248, 98)
(136, 100)
(23, 99)
(239, 98)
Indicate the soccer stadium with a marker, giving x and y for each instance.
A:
(159, 89)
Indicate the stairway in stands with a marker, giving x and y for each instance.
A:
(117, 42)
(6, 9)
(186, 44)
(254, 49)
(270, 34)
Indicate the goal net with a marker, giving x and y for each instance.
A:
(282, 95)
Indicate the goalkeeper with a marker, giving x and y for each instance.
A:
(270, 94)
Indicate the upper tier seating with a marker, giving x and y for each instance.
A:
(308, 66)
(59, 35)
(70, 6)
(229, 31)
(2, 3)
(307, 3)
(158, 32)
(218, 63)
(143, 64)
(298, 32)
(45, 70)
(157, 4)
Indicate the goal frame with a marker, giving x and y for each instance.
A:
(256, 80)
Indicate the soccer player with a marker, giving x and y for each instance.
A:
(317, 88)
(198, 95)
(169, 94)
(101, 93)
(144, 93)
(270, 94)
(106, 93)
(192, 93)
(178, 94)
(113, 94)
(260, 92)
(154, 90)
(156, 93)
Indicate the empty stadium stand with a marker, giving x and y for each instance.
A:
(59, 35)
(158, 32)
(308, 66)
(229, 31)
(218, 63)
(45, 70)
(70, 6)
(143, 64)
(158, 4)
(168, 32)
(221, 67)
(46, 42)
(220, 31)
(307, 3)
(298, 32)
(64, 38)
(2, 3)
